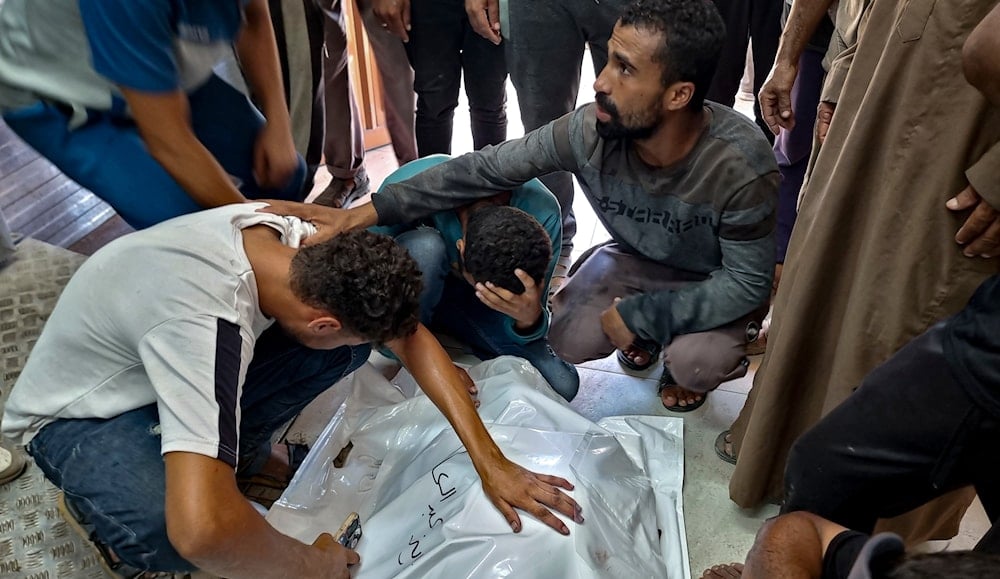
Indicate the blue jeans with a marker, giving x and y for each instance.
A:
(107, 155)
(111, 470)
(463, 316)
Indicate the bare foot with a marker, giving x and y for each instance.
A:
(638, 357)
(677, 396)
(730, 571)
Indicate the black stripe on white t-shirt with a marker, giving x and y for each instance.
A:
(228, 359)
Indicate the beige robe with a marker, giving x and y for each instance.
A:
(872, 261)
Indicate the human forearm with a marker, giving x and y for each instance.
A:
(164, 124)
(258, 55)
(738, 288)
(473, 176)
(803, 20)
(214, 527)
(981, 56)
(433, 369)
(507, 485)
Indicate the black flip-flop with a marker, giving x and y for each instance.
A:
(720, 448)
(666, 381)
(648, 347)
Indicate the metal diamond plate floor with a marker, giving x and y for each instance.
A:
(35, 542)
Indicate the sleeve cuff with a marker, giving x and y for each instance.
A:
(984, 176)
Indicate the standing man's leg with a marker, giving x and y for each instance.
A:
(397, 85)
(544, 51)
(909, 434)
(435, 51)
(732, 60)
(485, 72)
(343, 142)
(765, 30)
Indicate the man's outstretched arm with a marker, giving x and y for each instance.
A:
(508, 485)
(211, 525)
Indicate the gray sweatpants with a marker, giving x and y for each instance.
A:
(699, 361)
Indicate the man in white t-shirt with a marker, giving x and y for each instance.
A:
(163, 344)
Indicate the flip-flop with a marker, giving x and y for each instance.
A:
(266, 489)
(666, 381)
(648, 347)
(720, 448)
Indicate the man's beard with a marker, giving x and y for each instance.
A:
(615, 129)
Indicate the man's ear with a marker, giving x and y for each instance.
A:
(460, 244)
(678, 95)
(325, 325)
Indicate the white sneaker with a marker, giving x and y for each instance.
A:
(12, 463)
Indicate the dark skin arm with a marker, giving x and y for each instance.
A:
(980, 234)
(213, 526)
(508, 485)
(776, 94)
(981, 57)
(164, 123)
(275, 159)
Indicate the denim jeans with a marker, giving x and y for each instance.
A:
(449, 304)
(112, 472)
(544, 44)
(107, 155)
(442, 46)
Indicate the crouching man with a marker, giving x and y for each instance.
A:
(486, 271)
(161, 375)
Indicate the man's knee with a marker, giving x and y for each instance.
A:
(701, 362)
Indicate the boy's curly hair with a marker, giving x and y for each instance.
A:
(366, 280)
(500, 239)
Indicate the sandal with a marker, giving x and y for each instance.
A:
(559, 274)
(648, 347)
(720, 447)
(666, 381)
(265, 489)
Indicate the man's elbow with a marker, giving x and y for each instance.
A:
(198, 537)
(981, 63)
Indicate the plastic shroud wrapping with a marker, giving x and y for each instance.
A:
(424, 512)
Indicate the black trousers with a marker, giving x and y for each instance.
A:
(442, 47)
(909, 434)
(759, 20)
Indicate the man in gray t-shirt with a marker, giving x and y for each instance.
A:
(686, 188)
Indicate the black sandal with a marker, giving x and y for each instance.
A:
(648, 347)
(666, 381)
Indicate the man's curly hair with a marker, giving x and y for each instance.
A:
(366, 280)
(693, 35)
(500, 239)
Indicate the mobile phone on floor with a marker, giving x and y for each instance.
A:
(349, 533)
